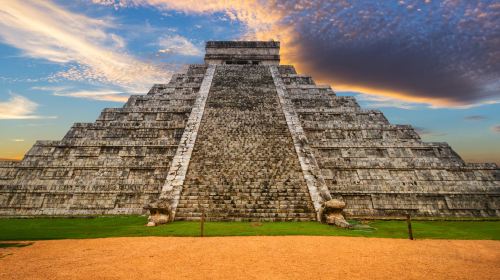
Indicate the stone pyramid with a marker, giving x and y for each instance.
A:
(245, 138)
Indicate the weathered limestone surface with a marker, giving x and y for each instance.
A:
(115, 165)
(380, 169)
(160, 212)
(172, 188)
(245, 142)
(318, 190)
(331, 213)
(233, 52)
(244, 166)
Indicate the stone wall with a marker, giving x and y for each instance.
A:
(381, 169)
(246, 52)
(112, 166)
(244, 166)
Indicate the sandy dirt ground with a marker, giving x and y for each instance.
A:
(289, 257)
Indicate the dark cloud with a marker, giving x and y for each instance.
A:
(475, 118)
(447, 50)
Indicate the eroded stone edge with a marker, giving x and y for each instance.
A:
(318, 190)
(177, 172)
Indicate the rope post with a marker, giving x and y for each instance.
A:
(410, 231)
(202, 222)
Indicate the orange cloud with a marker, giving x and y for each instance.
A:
(395, 95)
(264, 20)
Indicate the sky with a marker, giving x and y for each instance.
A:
(432, 64)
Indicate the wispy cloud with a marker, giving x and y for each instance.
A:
(44, 30)
(18, 107)
(496, 128)
(253, 13)
(379, 101)
(92, 93)
(101, 95)
(475, 118)
(425, 132)
(263, 19)
(176, 44)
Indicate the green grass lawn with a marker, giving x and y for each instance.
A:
(62, 228)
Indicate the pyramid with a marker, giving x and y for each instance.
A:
(242, 137)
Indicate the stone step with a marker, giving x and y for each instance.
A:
(249, 167)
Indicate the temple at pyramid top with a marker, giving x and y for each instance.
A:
(243, 52)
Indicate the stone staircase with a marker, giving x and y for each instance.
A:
(244, 166)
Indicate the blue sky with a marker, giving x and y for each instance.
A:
(432, 64)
